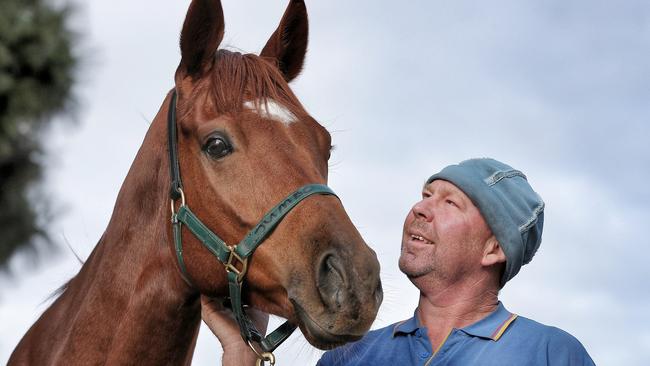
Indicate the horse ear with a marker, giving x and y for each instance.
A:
(288, 44)
(201, 35)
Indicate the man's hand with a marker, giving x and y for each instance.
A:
(222, 323)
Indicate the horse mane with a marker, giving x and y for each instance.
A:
(58, 292)
(236, 78)
(61, 289)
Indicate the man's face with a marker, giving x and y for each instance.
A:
(443, 235)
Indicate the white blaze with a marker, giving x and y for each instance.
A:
(272, 110)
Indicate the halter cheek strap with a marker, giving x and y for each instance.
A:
(234, 258)
(176, 188)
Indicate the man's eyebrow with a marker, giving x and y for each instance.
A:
(452, 192)
(444, 190)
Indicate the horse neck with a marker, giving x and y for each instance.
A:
(129, 294)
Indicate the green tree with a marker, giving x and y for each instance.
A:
(36, 78)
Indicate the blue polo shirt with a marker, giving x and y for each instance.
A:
(500, 339)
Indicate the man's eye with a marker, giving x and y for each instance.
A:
(452, 203)
(217, 147)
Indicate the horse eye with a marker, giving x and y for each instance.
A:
(217, 147)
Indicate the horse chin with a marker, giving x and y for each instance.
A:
(316, 334)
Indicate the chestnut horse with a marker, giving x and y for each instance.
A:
(244, 143)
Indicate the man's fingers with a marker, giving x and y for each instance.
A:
(220, 320)
(222, 323)
(212, 304)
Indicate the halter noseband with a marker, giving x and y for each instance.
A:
(231, 256)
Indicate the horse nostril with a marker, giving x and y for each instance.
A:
(332, 284)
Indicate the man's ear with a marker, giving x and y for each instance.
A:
(492, 253)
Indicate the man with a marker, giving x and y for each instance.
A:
(477, 223)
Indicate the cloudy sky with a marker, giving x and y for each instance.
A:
(559, 89)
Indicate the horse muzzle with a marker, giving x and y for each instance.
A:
(347, 301)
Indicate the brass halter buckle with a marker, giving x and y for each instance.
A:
(262, 356)
(230, 265)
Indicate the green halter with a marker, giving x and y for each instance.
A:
(231, 256)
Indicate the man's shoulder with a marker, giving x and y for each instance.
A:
(383, 331)
(550, 340)
(542, 331)
(356, 352)
(374, 336)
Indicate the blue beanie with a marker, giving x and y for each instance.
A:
(512, 210)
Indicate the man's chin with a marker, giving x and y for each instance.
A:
(411, 271)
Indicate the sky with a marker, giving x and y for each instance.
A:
(557, 89)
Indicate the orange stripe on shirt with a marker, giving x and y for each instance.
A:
(502, 328)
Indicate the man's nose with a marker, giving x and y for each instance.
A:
(423, 210)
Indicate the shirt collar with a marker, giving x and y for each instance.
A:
(407, 326)
(492, 326)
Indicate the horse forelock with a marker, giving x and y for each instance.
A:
(237, 79)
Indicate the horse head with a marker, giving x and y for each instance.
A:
(245, 142)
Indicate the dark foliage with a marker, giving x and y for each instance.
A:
(36, 77)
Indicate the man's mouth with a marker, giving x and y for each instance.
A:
(420, 239)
